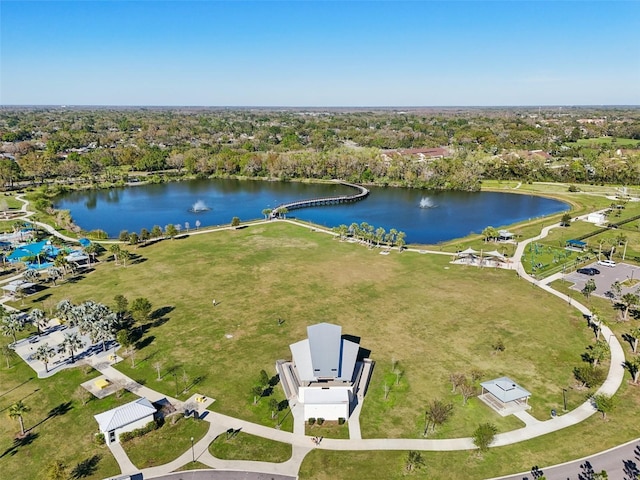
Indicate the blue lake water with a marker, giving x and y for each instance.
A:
(427, 217)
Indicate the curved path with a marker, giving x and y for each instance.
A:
(302, 444)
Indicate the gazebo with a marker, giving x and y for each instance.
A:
(505, 236)
(505, 396)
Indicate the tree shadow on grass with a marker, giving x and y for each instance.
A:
(20, 442)
(161, 312)
(86, 467)
(145, 342)
(55, 412)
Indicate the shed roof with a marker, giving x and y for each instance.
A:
(505, 389)
(124, 415)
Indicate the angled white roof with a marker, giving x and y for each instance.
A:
(324, 344)
(505, 389)
(349, 356)
(325, 354)
(124, 415)
(302, 359)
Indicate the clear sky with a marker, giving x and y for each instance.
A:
(320, 53)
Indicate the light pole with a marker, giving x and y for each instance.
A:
(564, 399)
(193, 455)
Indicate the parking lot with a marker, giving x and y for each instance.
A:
(606, 277)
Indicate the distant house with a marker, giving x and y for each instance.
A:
(421, 153)
(125, 418)
(324, 375)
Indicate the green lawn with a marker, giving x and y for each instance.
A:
(243, 446)
(619, 142)
(166, 443)
(61, 428)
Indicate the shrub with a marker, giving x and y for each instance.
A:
(573, 188)
(320, 421)
(498, 345)
(235, 221)
(311, 421)
(99, 439)
(341, 421)
(589, 375)
(484, 435)
(138, 432)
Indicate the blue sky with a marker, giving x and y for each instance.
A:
(312, 53)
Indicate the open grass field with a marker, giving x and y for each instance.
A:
(619, 142)
(432, 318)
(417, 312)
(243, 446)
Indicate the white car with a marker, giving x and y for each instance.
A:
(607, 263)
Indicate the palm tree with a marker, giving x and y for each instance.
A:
(92, 250)
(17, 410)
(115, 251)
(125, 255)
(380, 234)
(391, 237)
(38, 319)
(628, 300)
(633, 366)
(64, 310)
(635, 334)
(266, 212)
(44, 353)
(71, 344)
(8, 353)
(400, 240)
(156, 231)
(283, 211)
(61, 262)
(31, 275)
(598, 351)
(11, 325)
(54, 273)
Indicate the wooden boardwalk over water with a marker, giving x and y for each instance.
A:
(317, 202)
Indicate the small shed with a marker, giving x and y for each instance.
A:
(597, 218)
(505, 396)
(125, 418)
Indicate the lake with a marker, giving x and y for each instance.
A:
(427, 217)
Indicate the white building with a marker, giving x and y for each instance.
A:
(125, 418)
(324, 375)
(597, 218)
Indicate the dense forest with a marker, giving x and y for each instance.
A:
(441, 148)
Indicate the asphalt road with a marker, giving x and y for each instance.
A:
(620, 463)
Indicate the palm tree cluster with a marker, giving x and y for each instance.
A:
(93, 319)
(369, 234)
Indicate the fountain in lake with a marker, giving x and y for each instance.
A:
(426, 202)
(199, 206)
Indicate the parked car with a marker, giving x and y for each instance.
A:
(607, 263)
(589, 271)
